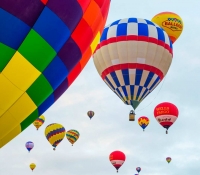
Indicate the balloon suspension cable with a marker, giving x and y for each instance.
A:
(154, 97)
(72, 144)
(143, 130)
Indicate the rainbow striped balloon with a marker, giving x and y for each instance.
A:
(72, 135)
(44, 45)
(55, 133)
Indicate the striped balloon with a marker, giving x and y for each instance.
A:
(39, 122)
(143, 122)
(29, 145)
(90, 114)
(44, 45)
(138, 169)
(166, 114)
(72, 135)
(55, 133)
(132, 58)
(117, 158)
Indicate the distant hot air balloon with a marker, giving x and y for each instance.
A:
(171, 23)
(138, 169)
(32, 166)
(39, 122)
(166, 114)
(143, 122)
(168, 159)
(117, 158)
(44, 46)
(90, 114)
(55, 133)
(132, 58)
(72, 135)
(29, 145)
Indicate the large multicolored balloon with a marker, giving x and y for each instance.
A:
(171, 23)
(117, 158)
(90, 114)
(166, 114)
(29, 145)
(39, 122)
(143, 122)
(32, 166)
(72, 136)
(132, 58)
(44, 45)
(55, 133)
(168, 159)
(138, 169)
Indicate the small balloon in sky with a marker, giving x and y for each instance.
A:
(32, 166)
(29, 145)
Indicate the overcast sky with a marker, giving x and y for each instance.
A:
(110, 128)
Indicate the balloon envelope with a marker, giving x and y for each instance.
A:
(90, 114)
(44, 45)
(32, 166)
(168, 159)
(132, 58)
(117, 158)
(72, 136)
(39, 122)
(171, 23)
(55, 133)
(138, 169)
(29, 145)
(143, 122)
(166, 114)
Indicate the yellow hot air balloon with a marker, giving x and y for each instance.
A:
(32, 166)
(55, 133)
(171, 23)
(39, 122)
(72, 136)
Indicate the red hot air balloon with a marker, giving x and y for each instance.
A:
(117, 158)
(166, 114)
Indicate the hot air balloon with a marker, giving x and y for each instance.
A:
(138, 169)
(166, 114)
(171, 23)
(132, 58)
(90, 114)
(29, 145)
(117, 158)
(44, 46)
(143, 122)
(55, 133)
(72, 135)
(39, 122)
(168, 159)
(32, 166)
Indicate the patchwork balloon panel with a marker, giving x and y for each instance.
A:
(44, 45)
